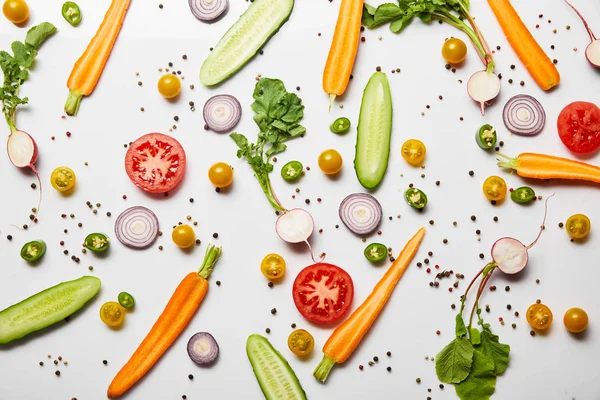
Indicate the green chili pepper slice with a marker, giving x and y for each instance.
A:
(340, 125)
(486, 137)
(376, 252)
(33, 251)
(415, 198)
(292, 171)
(97, 242)
(522, 195)
(71, 13)
(126, 300)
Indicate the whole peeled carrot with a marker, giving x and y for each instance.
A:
(539, 66)
(344, 46)
(87, 70)
(174, 318)
(346, 337)
(541, 166)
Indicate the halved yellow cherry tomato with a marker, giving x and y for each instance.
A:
(220, 174)
(183, 236)
(454, 51)
(578, 226)
(273, 266)
(301, 342)
(330, 162)
(169, 86)
(575, 320)
(63, 179)
(539, 316)
(413, 151)
(112, 314)
(494, 188)
(16, 11)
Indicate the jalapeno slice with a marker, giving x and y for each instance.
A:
(291, 171)
(33, 251)
(376, 252)
(126, 300)
(486, 137)
(522, 195)
(71, 13)
(415, 198)
(340, 125)
(97, 242)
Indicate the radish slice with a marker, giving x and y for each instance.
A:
(208, 10)
(361, 213)
(592, 51)
(222, 113)
(137, 227)
(524, 115)
(203, 348)
(510, 255)
(483, 87)
(295, 226)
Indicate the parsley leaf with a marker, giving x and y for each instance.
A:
(481, 382)
(453, 363)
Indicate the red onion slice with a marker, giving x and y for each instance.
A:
(203, 348)
(222, 113)
(524, 115)
(208, 10)
(361, 213)
(137, 227)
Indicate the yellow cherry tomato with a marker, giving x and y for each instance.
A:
(63, 179)
(494, 188)
(16, 11)
(578, 226)
(183, 236)
(575, 320)
(454, 51)
(169, 86)
(301, 342)
(413, 151)
(220, 174)
(112, 314)
(273, 266)
(330, 162)
(539, 316)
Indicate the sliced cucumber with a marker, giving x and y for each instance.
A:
(46, 308)
(249, 33)
(374, 132)
(275, 376)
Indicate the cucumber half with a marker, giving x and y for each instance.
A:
(46, 308)
(374, 132)
(248, 34)
(275, 376)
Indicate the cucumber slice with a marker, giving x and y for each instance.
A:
(46, 308)
(275, 376)
(374, 132)
(248, 34)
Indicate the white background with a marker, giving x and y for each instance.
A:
(556, 365)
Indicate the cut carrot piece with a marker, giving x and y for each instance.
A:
(541, 166)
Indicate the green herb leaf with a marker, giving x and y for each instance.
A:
(481, 382)
(475, 336)
(368, 15)
(498, 352)
(37, 35)
(278, 148)
(453, 363)
(386, 13)
(461, 329)
(239, 139)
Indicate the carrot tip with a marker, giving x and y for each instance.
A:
(73, 101)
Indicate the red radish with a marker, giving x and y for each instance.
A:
(483, 87)
(592, 51)
(296, 226)
(23, 153)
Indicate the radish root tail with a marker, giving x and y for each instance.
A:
(589, 30)
(543, 222)
(312, 255)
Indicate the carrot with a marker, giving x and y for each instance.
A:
(87, 70)
(541, 166)
(174, 318)
(346, 337)
(344, 46)
(539, 66)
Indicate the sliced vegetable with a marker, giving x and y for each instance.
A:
(137, 227)
(222, 112)
(63, 179)
(33, 251)
(539, 316)
(87, 70)
(301, 342)
(16, 11)
(494, 188)
(249, 33)
(169, 86)
(208, 10)
(523, 115)
(483, 87)
(578, 226)
(220, 174)
(273, 266)
(46, 308)
(112, 314)
(576, 320)
(541, 166)
(486, 137)
(413, 151)
(97, 242)
(340, 125)
(203, 349)
(522, 195)
(175, 317)
(374, 132)
(361, 213)
(323, 293)
(330, 162)
(126, 300)
(415, 198)
(579, 127)
(454, 51)
(292, 171)
(295, 226)
(273, 373)
(71, 13)
(183, 236)
(592, 51)
(376, 252)
(346, 337)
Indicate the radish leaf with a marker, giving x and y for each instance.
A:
(461, 329)
(481, 382)
(498, 352)
(453, 363)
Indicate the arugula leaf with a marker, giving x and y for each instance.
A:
(461, 329)
(453, 363)
(481, 382)
(498, 352)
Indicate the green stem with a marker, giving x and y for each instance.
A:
(512, 163)
(324, 367)
(268, 190)
(73, 101)
(11, 124)
(210, 259)
(482, 285)
(464, 298)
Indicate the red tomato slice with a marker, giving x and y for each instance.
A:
(323, 293)
(155, 162)
(579, 127)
